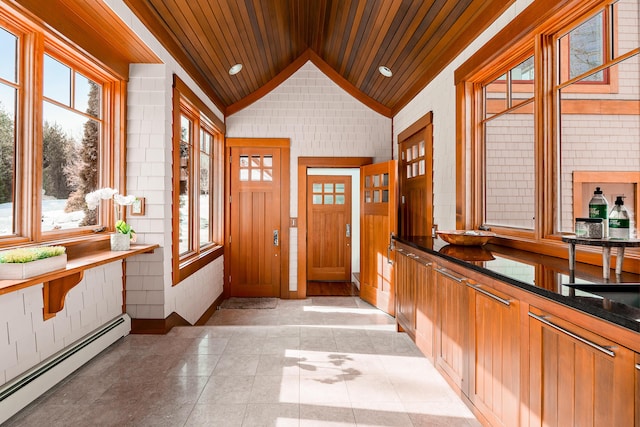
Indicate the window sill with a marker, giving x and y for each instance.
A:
(58, 283)
(189, 266)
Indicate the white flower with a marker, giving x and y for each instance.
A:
(124, 200)
(93, 198)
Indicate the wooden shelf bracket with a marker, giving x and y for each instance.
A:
(55, 291)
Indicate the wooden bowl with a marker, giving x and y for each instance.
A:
(466, 237)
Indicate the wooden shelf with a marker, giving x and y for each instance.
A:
(58, 283)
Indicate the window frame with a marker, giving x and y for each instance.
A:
(540, 26)
(33, 43)
(186, 103)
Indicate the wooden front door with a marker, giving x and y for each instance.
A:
(329, 228)
(378, 213)
(256, 236)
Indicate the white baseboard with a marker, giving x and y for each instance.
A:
(21, 391)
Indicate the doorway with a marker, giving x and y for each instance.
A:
(258, 200)
(308, 169)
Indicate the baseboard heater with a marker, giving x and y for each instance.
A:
(19, 392)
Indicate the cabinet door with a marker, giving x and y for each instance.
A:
(495, 355)
(577, 377)
(452, 326)
(406, 275)
(425, 310)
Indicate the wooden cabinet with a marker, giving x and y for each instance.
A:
(518, 359)
(451, 325)
(577, 377)
(494, 354)
(415, 299)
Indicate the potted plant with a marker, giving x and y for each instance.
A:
(22, 263)
(124, 234)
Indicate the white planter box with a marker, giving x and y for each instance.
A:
(33, 268)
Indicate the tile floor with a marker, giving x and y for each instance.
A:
(323, 361)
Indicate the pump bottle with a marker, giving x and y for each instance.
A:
(619, 220)
(599, 208)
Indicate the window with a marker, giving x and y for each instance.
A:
(198, 180)
(508, 130)
(56, 142)
(538, 115)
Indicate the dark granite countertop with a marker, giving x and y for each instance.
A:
(546, 276)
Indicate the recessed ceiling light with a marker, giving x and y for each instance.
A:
(235, 69)
(385, 71)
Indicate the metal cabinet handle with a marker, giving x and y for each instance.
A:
(574, 336)
(638, 366)
(490, 295)
(451, 276)
(276, 240)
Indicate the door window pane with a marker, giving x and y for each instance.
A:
(385, 179)
(267, 161)
(339, 188)
(339, 199)
(255, 174)
(267, 175)
(317, 187)
(328, 199)
(317, 199)
(328, 188)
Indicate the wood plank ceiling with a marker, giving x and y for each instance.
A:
(348, 39)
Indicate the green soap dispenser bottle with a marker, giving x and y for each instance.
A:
(619, 220)
(599, 208)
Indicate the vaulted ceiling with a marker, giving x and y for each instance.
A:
(347, 39)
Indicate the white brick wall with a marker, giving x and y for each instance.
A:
(26, 338)
(321, 120)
